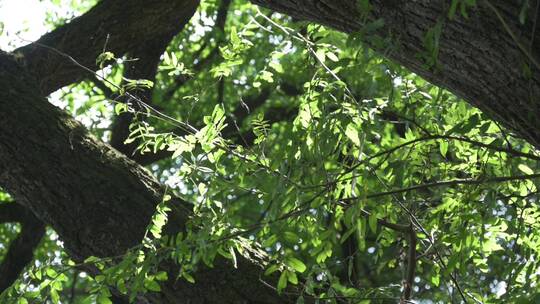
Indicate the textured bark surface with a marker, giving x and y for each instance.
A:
(84, 189)
(98, 201)
(478, 59)
(21, 250)
(116, 26)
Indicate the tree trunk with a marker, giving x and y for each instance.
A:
(88, 192)
(100, 202)
(114, 26)
(478, 59)
(96, 199)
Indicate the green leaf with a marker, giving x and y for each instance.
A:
(202, 188)
(296, 264)
(188, 277)
(321, 54)
(352, 133)
(291, 237)
(282, 282)
(271, 269)
(233, 256)
(332, 56)
(38, 274)
(161, 276)
(55, 297)
(373, 222)
(293, 279)
(103, 58)
(452, 9)
(51, 273)
(120, 108)
(103, 298)
(364, 6)
(435, 280)
(235, 40)
(443, 147)
(276, 66)
(22, 301)
(525, 169)
(491, 245)
(151, 284)
(91, 260)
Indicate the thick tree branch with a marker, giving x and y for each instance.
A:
(38, 184)
(21, 250)
(97, 200)
(12, 213)
(117, 26)
(478, 59)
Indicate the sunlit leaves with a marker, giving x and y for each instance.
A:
(232, 53)
(104, 59)
(159, 219)
(120, 108)
(173, 66)
(302, 178)
(295, 264)
(525, 169)
(352, 132)
(208, 136)
(181, 145)
(260, 128)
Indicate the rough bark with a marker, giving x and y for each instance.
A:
(478, 59)
(21, 250)
(84, 189)
(114, 26)
(98, 201)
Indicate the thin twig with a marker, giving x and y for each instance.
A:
(454, 182)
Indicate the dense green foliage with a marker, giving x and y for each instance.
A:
(307, 152)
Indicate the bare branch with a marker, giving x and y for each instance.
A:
(411, 266)
(454, 182)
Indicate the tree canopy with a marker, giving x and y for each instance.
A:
(219, 151)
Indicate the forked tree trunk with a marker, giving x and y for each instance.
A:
(98, 201)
